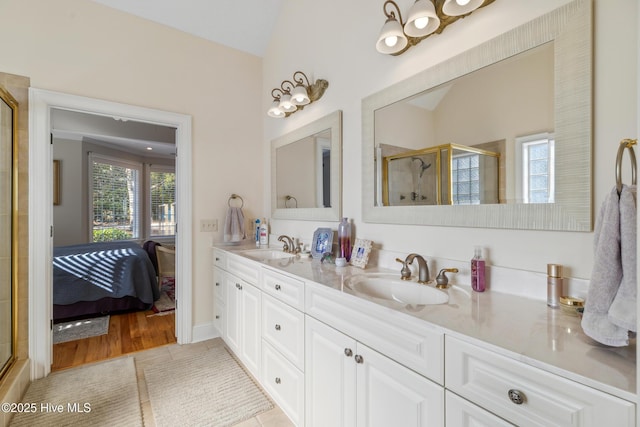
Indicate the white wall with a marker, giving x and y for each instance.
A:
(83, 48)
(337, 44)
(69, 217)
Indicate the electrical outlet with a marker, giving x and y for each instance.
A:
(209, 225)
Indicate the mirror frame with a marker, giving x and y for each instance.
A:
(570, 28)
(332, 121)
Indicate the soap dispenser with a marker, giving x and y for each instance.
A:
(477, 271)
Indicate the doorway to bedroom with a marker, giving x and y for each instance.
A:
(119, 186)
(144, 223)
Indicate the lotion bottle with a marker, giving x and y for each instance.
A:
(256, 233)
(477, 271)
(264, 233)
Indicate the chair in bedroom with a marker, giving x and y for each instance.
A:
(166, 263)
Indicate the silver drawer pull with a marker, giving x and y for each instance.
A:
(277, 287)
(239, 286)
(348, 352)
(217, 316)
(359, 359)
(278, 380)
(277, 327)
(516, 396)
(217, 283)
(217, 259)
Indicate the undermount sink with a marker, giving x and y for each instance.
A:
(394, 289)
(266, 254)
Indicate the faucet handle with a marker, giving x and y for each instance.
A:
(405, 272)
(442, 281)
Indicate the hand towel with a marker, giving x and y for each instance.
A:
(234, 225)
(606, 276)
(623, 308)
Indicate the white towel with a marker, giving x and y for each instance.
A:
(234, 225)
(610, 309)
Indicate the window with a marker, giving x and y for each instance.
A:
(114, 197)
(465, 176)
(162, 218)
(537, 168)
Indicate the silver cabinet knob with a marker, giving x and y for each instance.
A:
(278, 381)
(359, 359)
(217, 283)
(239, 286)
(516, 396)
(217, 316)
(277, 287)
(277, 327)
(348, 352)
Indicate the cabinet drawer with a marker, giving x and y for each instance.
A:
(495, 382)
(218, 283)
(243, 268)
(284, 288)
(283, 327)
(220, 258)
(284, 382)
(219, 315)
(462, 413)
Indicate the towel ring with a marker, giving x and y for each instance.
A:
(235, 196)
(625, 143)
(287, 198)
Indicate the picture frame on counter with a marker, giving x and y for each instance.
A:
(360, 253)
(322, 242)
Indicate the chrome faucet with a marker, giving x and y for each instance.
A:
(423, 268)
(288, 245)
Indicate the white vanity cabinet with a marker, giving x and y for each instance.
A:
(243, 304)
(350, 384)
(283, 364)
(528, 396)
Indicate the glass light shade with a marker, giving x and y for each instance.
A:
(299, 95)
(422, 19)
(286, 105)
(460, 7)
(392, 38)
(274, 110)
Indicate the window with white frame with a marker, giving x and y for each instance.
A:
(537, 164)
(162, 197)
(115, 187)
(465, 177)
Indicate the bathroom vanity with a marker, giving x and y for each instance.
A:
(332, 355)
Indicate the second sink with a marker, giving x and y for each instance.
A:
(266, 254)
(385, 286)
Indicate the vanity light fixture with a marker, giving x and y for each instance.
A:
(290, 97)
(426, 17)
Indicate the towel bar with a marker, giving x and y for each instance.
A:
(625, 143)
(235, 196)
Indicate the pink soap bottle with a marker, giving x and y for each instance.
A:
(477, 271)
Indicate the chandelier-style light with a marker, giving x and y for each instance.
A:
(426, 17)
(290, 97)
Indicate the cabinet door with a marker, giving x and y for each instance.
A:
(251, 330)
(390, 394)
(462, 413)
(234, 311)
(330, 376)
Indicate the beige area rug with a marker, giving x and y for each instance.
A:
(79, 329)
(102, 394)
(210, 389)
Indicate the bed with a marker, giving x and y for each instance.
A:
(100, 278)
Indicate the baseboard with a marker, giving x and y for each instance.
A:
(203, 332)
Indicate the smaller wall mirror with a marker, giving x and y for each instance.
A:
(306, 165)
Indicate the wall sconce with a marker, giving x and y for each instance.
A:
(289, 98)
(426, 17)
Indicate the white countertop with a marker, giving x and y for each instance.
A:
(521, 328)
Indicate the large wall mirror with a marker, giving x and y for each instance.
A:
(306, 167)
(499, 136)
(8, 226)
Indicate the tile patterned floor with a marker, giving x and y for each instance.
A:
(273, 418)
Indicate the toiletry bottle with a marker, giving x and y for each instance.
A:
(554, 285)
(344, 239)
(264, 233)
(256, 233)
(477, 271)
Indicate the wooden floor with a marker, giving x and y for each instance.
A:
(128, 333)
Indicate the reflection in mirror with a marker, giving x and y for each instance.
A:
(302, 172)
(306, 171)
(8, 120)
(523, 98)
